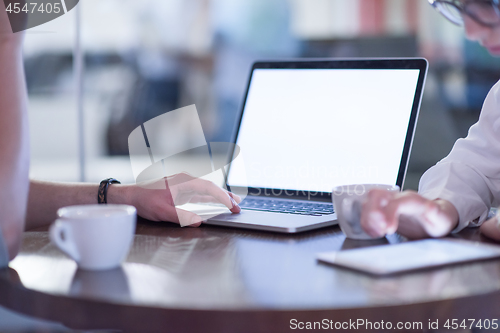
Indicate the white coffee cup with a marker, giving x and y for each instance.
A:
(348, 200)
(97, 237)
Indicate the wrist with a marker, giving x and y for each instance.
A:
(449, 210)
(118, 194)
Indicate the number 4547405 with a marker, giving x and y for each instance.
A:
(454, 324)
(35, 8)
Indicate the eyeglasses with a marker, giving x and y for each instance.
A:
(483, 12)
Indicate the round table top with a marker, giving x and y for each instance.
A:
(214, 279)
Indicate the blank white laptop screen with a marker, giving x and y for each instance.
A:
(313, 129)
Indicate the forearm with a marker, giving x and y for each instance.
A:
(14, 149)
(45, 198)
(155, 200)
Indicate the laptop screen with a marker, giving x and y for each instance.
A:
(310, 129)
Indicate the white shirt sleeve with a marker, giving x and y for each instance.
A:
(469, 177)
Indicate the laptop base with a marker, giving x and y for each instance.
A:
(275, 222)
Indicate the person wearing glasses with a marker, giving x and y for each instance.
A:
(26, 204)
(460, 189)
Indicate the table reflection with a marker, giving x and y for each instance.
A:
(220, 268)
(109, 284)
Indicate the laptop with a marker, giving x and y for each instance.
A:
(309, 125)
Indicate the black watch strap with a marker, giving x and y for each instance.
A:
(102, 194)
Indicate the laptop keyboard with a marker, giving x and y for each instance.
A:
(287, 207)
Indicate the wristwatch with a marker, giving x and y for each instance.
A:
(102, 194)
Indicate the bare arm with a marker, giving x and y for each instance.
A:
(45, 198)
(155, 200)
(14, 149)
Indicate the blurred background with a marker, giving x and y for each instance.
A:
(143, 58)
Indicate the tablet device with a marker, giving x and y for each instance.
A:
(410, 256)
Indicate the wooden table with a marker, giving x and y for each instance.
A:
(214, 279)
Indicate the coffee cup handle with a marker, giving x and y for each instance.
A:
(56, 232)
